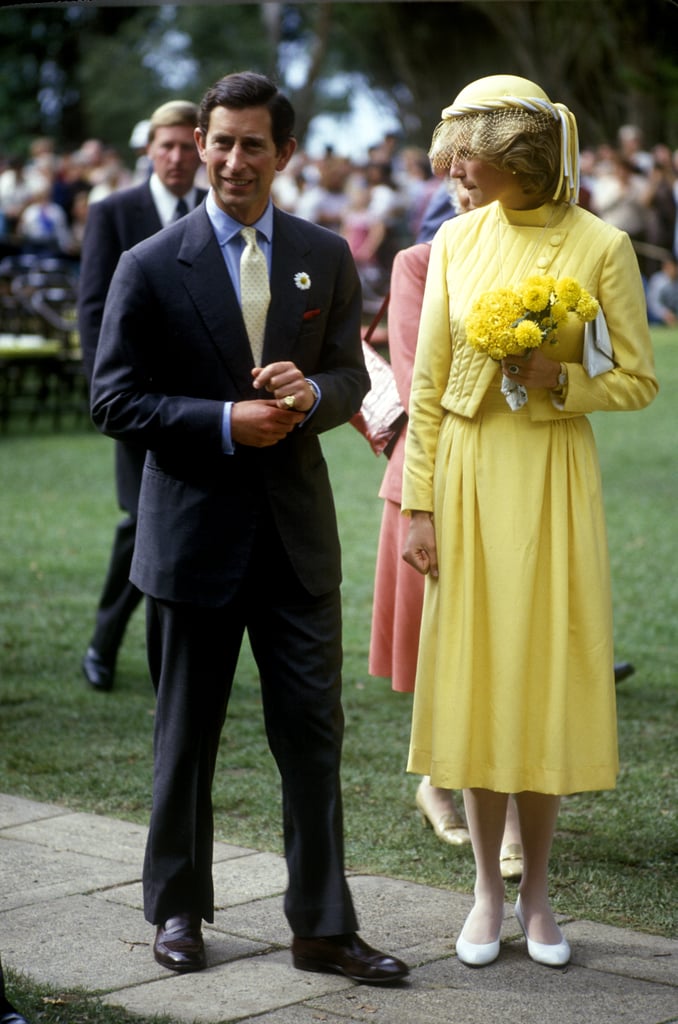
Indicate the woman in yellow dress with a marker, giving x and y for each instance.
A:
(515, 685)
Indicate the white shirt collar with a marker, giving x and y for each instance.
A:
(165, 201)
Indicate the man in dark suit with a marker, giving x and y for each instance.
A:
(113, 225)
(236, 528)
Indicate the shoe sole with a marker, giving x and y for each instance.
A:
(181, 968)
(320, 967)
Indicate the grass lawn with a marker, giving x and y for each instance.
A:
(614, 858)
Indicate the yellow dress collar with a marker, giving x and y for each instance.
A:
(549, 213)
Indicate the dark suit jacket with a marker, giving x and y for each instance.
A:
(173, 348)
(113, 225)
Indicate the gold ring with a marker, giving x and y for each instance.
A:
(289, 401)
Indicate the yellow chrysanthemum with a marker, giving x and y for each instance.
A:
(539, 280)
(587, 307)
(536, 293)
(558, 312)
(490, 319)
(527, 335)
(568, 291)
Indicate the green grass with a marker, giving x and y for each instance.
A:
(44, 1005)
(614, 859)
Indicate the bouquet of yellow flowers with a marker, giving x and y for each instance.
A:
(506, 322)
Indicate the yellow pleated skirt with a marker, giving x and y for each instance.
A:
(515, 673)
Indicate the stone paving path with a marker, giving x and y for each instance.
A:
(70, 917)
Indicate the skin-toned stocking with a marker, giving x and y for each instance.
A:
(538, 813)
(512, 828)
(486, 817)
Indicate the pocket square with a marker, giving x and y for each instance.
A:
(310, 314)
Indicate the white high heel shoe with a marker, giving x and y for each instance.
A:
(475, 954)
(555, 954)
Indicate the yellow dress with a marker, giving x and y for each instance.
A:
(515, 683)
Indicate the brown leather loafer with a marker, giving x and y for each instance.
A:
(347, 955)
(178, 944)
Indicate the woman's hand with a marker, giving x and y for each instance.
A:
(420, 547)
(532, 369)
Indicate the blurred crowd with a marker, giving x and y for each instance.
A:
(377, 204)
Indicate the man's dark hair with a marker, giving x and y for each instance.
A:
(249, 89)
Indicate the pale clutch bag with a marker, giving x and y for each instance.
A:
(598, 356)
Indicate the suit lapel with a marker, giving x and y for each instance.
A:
(291, 256)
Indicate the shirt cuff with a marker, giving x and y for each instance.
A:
(226, 440)
(227, 445)
(318, 395)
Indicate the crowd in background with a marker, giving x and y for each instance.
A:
(377, 204)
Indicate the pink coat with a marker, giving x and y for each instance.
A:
(398, 588)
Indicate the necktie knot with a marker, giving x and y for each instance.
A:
(181, 209)
(255, 294)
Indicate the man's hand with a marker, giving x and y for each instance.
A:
(262, 423)
(285, 381)
(420, 547)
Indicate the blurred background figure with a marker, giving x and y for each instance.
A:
(365, 232)
(114, 224)
(43, 227)
(15, 195)
(618, 197)
(325, 200)
(662, 294)
(138, 143)
(661, 200)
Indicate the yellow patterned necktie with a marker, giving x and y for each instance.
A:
(255, 294)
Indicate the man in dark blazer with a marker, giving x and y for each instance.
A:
(113, 225)
(236, 528)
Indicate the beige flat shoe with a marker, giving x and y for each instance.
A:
(511, 861)
(448, 826)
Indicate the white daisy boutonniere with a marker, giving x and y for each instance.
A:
(302, 280)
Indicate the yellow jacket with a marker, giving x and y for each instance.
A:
(492, 247)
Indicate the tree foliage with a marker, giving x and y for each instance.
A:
(611, 61)
(76, 71)
(65, 71)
